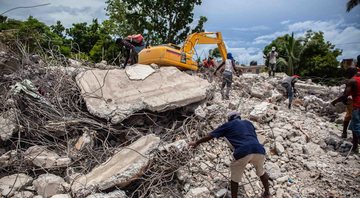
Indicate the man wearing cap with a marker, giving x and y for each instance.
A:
(272, 61)
(229, 69)
(289, 84)
(241, 136)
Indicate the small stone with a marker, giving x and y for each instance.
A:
(332, 153)
(200, 192)
(279, 148)
(10, 184)
(48, 185)
(221, 193)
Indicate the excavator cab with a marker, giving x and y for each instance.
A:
(181, 57)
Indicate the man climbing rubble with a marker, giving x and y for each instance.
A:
(241, 136)
(229, 69)
(350, 72)
(289, 84)
(133, 44)
(353, 88)
(271, 56)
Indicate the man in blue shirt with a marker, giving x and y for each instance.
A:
(247, 149)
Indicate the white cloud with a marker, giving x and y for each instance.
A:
(285, 22)
(347, 39)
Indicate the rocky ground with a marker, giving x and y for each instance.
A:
(51, 146)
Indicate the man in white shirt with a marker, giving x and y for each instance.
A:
(272, 56)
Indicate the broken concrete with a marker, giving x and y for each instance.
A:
(139, 71)
(7, 124)
(125, 166)
(48, 185)
(260, 112)
(12, 183)
(201, 192)
(110, 94)
(40, 156)
(114, 194)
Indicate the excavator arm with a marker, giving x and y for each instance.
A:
(204, 38)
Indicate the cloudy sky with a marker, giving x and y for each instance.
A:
(247, 25)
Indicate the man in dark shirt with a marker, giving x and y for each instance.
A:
(289, 84)
(243, 140)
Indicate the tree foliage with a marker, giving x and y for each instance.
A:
(351, 4)
(160, 21)
(308, 56)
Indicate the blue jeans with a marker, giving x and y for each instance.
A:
(355, 121)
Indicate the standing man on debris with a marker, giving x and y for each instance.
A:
(271, 56)
(353, 88)
(350, 72)
(133, 44)
(289, 84)
(243, 140)
(229, 69)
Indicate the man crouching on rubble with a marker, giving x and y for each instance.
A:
(243, 140)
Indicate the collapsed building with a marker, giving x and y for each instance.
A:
(99, 131)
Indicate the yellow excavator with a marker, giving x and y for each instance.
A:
(181, 57)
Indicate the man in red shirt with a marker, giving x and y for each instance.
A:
(353, 88)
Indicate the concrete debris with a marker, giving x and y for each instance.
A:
(61, 196)
(179, 145)
(114, 194)
(86, 140)
(7, 158)
(305, 154)
(7, 124)
(48, 185)
(139, 71)
(42, 157)
(10, 184)
(74, 63)
(261, 112)
(23, 194)
(112, 95)
(201, 192)
(125, 166)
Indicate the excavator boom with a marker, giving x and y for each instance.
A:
(171, 55)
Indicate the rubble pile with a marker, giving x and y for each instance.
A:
(79, 131)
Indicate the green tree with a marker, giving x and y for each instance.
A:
(319, 57)
(58, 29)
(308, 56)
(161, 21)
(215, 53)
(292, 47)
(351, 4)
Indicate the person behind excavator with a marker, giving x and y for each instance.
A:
(353, 89)
(289, 84)
(242, 139)
(229, 69)
(133, 44)
(350, 72)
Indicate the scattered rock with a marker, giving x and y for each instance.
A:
(117, 171)
(23, 194)
(62, 196)
(48, 185)
(114, 194)
(41, 157)
(273, 169)
(7, 124)
(139, 71)
(201, 192)
(12, 183)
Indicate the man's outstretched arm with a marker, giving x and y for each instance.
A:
(207, 138)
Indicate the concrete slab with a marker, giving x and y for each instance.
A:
(110, 94)
(139, 71)
(121, 169)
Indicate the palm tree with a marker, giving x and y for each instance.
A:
(290, 51)
(351, 4)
